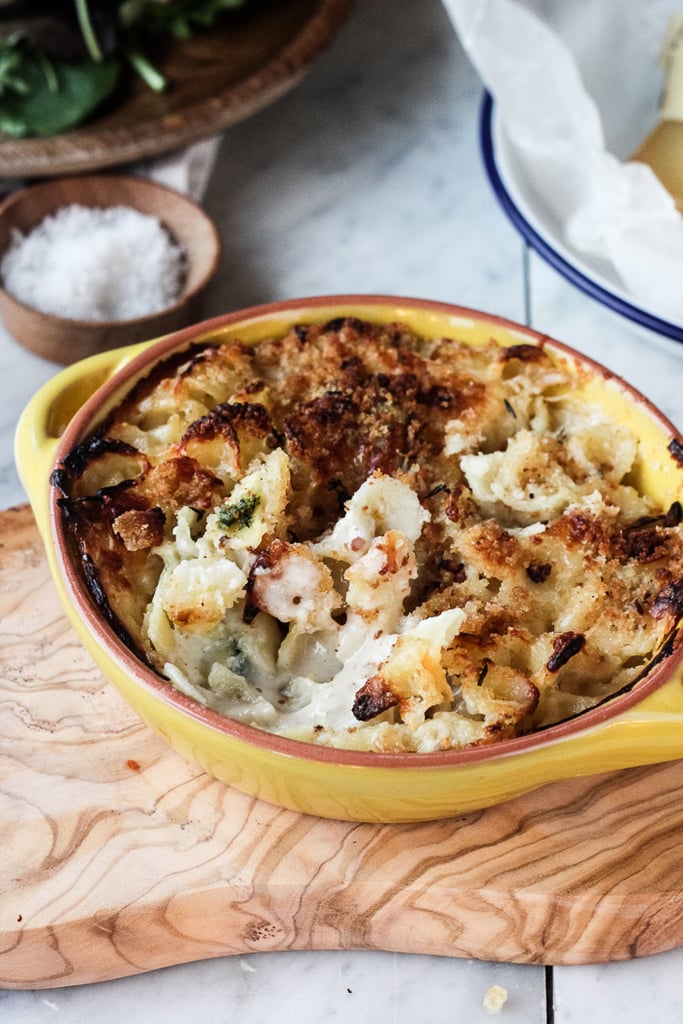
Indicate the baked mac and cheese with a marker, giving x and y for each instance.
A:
(358, 537)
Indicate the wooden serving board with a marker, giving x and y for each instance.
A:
(117, 857)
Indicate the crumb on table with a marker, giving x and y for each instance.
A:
(495, 999)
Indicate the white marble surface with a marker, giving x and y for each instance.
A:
(368, 178)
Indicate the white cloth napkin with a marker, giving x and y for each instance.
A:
(187, 170)
(608, 208)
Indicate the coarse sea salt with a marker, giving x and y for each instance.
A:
(87, 263)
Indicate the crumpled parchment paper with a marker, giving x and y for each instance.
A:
(607, 206)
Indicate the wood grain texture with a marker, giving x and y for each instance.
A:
(118, 857)
(216, 79)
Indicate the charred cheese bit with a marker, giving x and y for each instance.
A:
(228, 438)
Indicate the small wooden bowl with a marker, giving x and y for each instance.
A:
(65, 340)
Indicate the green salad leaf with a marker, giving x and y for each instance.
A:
(43, 92)
(45, 98)
(178, 18)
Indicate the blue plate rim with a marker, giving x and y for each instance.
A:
(545, 250)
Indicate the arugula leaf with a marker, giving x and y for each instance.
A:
(47, 104)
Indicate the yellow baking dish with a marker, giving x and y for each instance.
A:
(641, 726)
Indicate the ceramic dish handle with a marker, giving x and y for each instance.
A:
(46, 416)
(664, 706)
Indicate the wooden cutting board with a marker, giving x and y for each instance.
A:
(117, 857)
